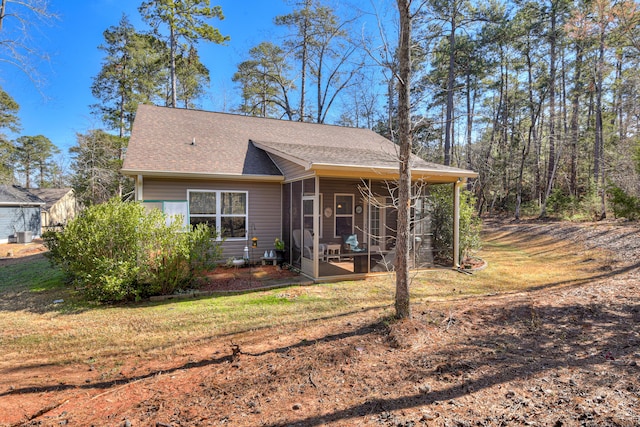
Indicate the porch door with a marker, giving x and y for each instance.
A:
(309, 229)
(378, 224)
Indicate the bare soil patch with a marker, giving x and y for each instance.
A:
(11, 253)
(564, 355)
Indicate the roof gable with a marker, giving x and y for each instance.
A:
(50, 196)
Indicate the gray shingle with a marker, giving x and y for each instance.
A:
(172, 140)
(14, 195)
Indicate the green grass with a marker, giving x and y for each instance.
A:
(35, 276)
(75, 331)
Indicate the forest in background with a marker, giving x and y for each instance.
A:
(540, 98)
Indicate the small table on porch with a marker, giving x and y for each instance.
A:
(332, 251)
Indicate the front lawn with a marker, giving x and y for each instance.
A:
(47, 320)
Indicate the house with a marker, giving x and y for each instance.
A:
(19, 214)
(60, 206)
(314, 186)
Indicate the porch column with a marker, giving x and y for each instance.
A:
(456, 223)
(316, 228)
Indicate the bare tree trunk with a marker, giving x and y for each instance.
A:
(598, 165)
(575, 130)
(552, 111)
(304, 59)
(470, 111)
(404, 183)
(2, 12)
(174, 91)
(534, 112)
(448, 136)
(391, 96)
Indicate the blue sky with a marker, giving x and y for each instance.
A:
(59, 108)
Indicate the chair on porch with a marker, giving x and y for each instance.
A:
(304, 244)
(297, 243)
(351, 243)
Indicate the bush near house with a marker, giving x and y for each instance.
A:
(442, 222)
(119, 251)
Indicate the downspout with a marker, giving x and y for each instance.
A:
(456, 223)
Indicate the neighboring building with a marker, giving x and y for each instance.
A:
(317, 187)
(60, 206)
(19, 214)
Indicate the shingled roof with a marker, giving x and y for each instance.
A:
(14, 195)
(179, 142)
(50, 195)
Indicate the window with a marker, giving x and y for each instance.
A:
(224, 210)
(173, 210)
(343, 214)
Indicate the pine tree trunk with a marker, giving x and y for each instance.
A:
(552, 112)
(404, 138)
(575, 131)
(448, 137)
(172, 42)
(598, 171)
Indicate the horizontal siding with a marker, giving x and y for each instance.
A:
(15, 218)
(328, 189)
(290, 170)
(264, 203)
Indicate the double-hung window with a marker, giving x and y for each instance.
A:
(225, 210)
(343, 214)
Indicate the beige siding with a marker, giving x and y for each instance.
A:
(328, 189)
(290, 170)
(264, 204)
(61, 212)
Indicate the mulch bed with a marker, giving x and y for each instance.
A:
(225, 278)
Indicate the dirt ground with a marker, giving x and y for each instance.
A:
(557, 356)
(11, 253)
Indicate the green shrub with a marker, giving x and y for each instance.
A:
(624, 205)
(560, 203)
(441, 198)
(120, 251)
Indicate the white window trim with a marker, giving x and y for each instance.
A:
(336, 215)
(218, 215)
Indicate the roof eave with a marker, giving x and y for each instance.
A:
(382, 172)
(201, 175)
(22, 203)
